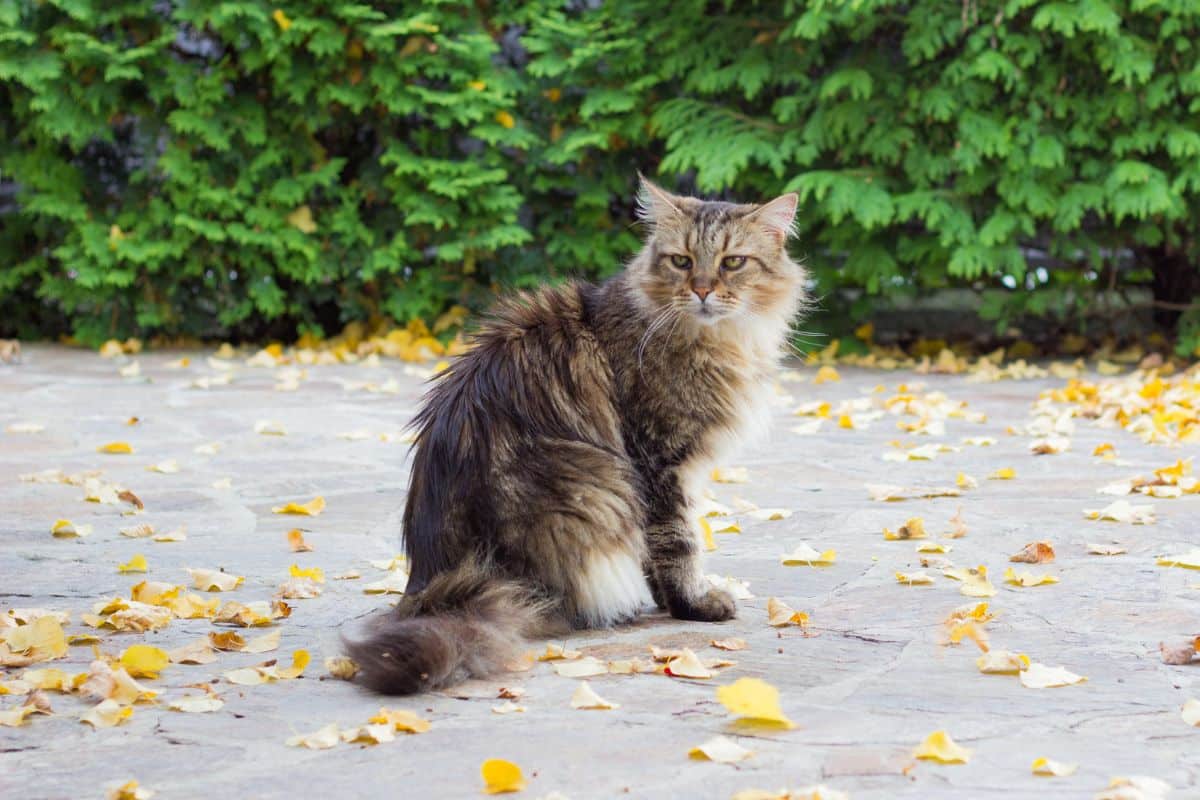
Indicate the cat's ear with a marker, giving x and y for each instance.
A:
(778, 216)
(655, 204)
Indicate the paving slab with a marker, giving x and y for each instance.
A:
(871, 677)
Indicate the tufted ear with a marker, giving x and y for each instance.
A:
(778, 216)
(654, 203)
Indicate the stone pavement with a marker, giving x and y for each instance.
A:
(868, 683)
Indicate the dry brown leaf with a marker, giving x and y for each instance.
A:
(1034, 553)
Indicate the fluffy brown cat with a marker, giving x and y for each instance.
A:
(557, 460)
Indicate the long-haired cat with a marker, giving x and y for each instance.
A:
(557, 461)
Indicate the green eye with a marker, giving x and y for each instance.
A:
(733, 262)
(683, 262)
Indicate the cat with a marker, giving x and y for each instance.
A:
(558, 461)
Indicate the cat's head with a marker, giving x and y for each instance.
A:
(717, 263)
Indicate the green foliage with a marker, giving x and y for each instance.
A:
(245, 169)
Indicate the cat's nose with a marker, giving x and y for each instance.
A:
(702, 292)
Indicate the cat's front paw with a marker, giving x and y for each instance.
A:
(717, 605)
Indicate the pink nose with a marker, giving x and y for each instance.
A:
(701, 292)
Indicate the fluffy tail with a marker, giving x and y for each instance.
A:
(464, 623)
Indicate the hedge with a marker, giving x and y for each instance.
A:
(242, 169)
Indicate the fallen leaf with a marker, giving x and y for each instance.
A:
(975, 582)
(1026, 578)
(299, 589)
(107, 714)
(211, 580)
(586, 698)
(137, 531)
(1051, 445)
(913, 529)
(587, 667)
(508, 707)
(914, 578)
(1034, 553)
(368, 734)
(1002, 662)
(196, 704)
(1191, 712)
(559, 652)
(144, 661)
(252, 614)
(322, 739)
(687, 665)
(1039, 676)
(500, 776)
(401, 720)
(42, 639)
(1003, 474)
(295, 538)
(168, 467)
(341, 667)
(260, 644)
(755, 702)
(1135, 787)
(25, 427)
(1188, 560)
(780, 614)
(310, 509)
(136, 564)
(965, 481)
(65, 529)
(1123, 511)
(1176, 655)
(729, 644)
(815, 792)
(268, 428)
(769, 514)
(804, 554)
(737, 589)
(933, 547)
(199, 651)
(312, 573)
(826, 374)
(721, 749)
(730, 475)
(939, 747)
(1055, 769)
(395, 583)
(960, 526)
(1105, 549)
(115, 448)
(130, 790)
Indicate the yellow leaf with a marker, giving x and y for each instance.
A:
(312, 573)
(302, 219)
(211, 580)
(300, 660)
(938, 746)
(368, 734)
(583, 668)
(914, 578)
(721, 749)
(846, 421)
(296, 541)
(965, 481)
(805, 554)
(1191, 712)
(310, 509)
(196, 704)
(144, 661)
(325, 738)
(1189, 560)
(1056, 769)
(1039, 676)
(42, 639)
(500, 776)
(281, 19)
(826, 374)
(65, 529)
(755, 702)
(780, 614)
(135, 564)
(198, 652)
(115, 448)
(261, 644)
(1002, 662)
(975, 582)
(128, 791)
(730, 475)
(586, 698)
(687, 665)
(401, 720)
(1003, 474)
(933, 547)
(913, 529)
(107, 714)
(1027, 578)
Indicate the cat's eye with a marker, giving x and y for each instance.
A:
(733, 262)
(682, 262)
